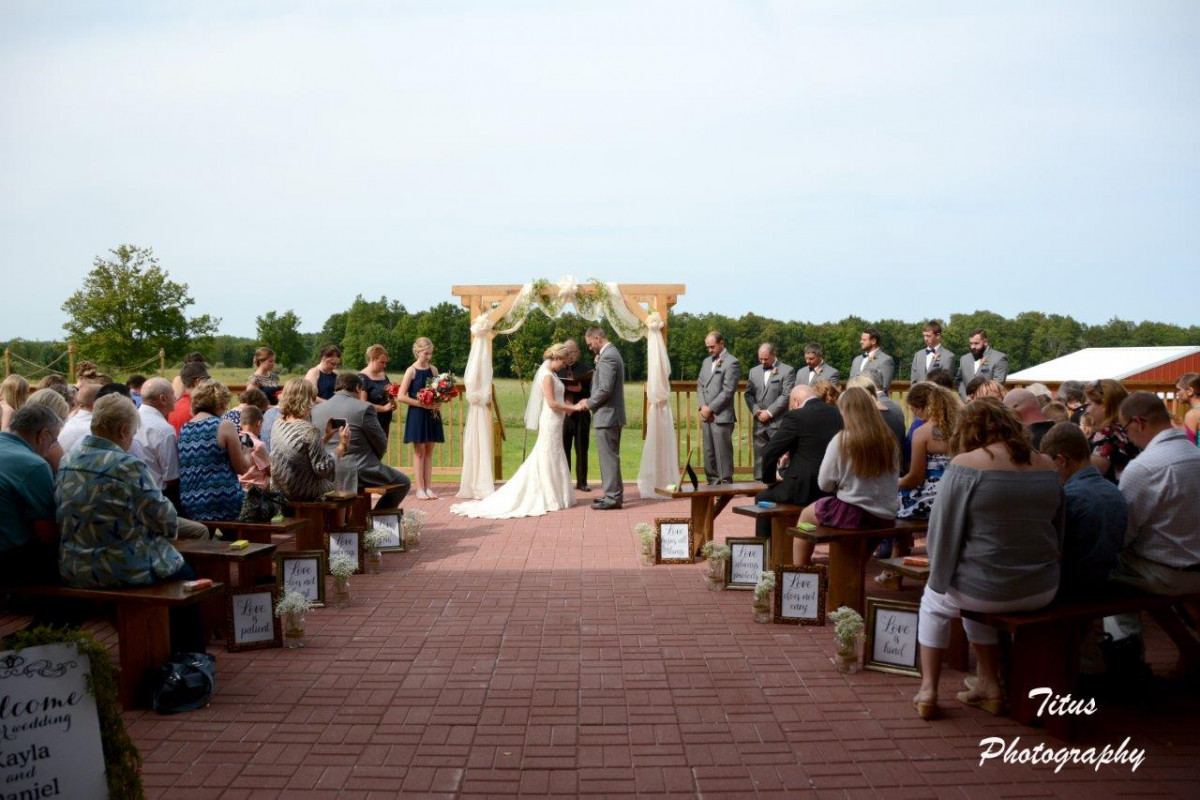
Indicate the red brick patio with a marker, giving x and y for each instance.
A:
(539, 657)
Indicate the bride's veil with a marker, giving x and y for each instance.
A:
(533, 410)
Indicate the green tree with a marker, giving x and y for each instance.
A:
(128, 308)
(281, 333)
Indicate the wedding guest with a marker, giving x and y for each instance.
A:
(1187, 392)
(815, 369)
(14, 391)
(28, 535)
(716, 387)
(1026, 404)
(179, 384)
(192, 374)
(893, 415)
(981, 387)
(301, 468)
(157, 445)
(114, 525)
(79, 424)
(53, 400)
(938, 408)
(264, 376)
(873, 360)
(860, 469)
(375, 383)
(1096, 514)
(210, 457)
(422, 422)
(252, 397)
(941, 377)
(259, 473)
(995, 539)
(134, 382)
(1056, 412)
(1111, 449)
(323, 376)
(1070, 393)
(86, 372)
(827, 391)
(767, 389)
(1042, 392)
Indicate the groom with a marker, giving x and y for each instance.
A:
(607, 405)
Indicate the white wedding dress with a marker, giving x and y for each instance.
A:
(543, 483)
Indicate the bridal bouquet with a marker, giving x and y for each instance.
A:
(439, 389)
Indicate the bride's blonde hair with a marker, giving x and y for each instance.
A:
(557, 350)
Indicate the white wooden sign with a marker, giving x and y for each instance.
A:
(49, 728)
(748, 558)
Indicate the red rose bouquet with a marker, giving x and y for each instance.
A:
(439, 389)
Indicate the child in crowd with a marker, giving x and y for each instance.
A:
(259, 473)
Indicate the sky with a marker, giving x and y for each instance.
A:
(801, 160)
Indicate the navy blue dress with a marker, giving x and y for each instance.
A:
(326, 381)
(420, 425)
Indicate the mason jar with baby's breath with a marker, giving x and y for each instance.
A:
(762, 597)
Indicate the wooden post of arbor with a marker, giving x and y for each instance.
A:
(70, 362)
(162, 361)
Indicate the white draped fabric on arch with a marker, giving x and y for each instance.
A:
(599, 301)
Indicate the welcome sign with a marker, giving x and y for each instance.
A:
(49, 726)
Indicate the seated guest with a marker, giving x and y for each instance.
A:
(28, 535)
(893, 415)
(264, 376)
(941, 377)
(1187, 391)
(159, 449)
(860, 469)
(250, 398)
(1042, 393)
(86, 372)
(192, 373)
(1070, 394)
(114, 525)
(803, 435)
(179, 384)
(300, 467)
(79, 424)
(367, 442)
(1025, 403)
(210, 457)
(14, 391)
(938, 408)
(827, 391)
(48, 398)
(1111, 448)
(134, 382)
(1096, 514)
(1162, 488)
(1056, 412)
(270, 417)
(323, 376)
(982, 387)
(259, 473)
(994, 541)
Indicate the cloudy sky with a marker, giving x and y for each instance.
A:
(804, 160)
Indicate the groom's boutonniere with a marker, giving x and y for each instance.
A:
(870, 356)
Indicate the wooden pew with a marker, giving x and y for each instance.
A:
(707, 503)
(320, 516)
(282, 533)
(848, 552)
(366, 501)
(782, 517)
(1043, 649)
(143, 625)
(234, 569)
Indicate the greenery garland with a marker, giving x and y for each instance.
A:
(600, 303)
(122, 761)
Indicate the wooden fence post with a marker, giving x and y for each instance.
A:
(162, 362)
(70, 362)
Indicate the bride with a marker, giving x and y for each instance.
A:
(543, 483)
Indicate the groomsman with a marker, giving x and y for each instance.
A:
(577, 427)
(717, 385)
(873, 359)
(981, 362)
(815, 369)
(767, 391)
(934, 355)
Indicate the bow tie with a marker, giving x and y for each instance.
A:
(930, 350)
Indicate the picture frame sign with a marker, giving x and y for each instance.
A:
(252, 623)
(892, 637)
(800, 595)
(748, 559)
(391, 522)
(303, 572)
(348, 542)
(674, 541)
(58, 744)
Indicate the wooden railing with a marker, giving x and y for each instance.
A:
(447, 457)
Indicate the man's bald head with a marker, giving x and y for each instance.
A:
(86, 396)
(1026, 404)
(799, 395)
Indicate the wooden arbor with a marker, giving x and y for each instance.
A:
(641, 298)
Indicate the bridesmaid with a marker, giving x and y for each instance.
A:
(421, 426)
(324, 375)
(375, 383)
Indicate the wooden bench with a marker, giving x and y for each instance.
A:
(367, 497)
(319, 515)
(143, 625)
(782, 517)
(234, 569)
(1042, 648)
(707, 503)
(282, 533)
(848, 552)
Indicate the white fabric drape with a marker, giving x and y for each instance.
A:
(660, 455)
(477, 479)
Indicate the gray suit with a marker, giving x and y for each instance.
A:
(995, 367)
(771, 396)
(881, 365)
(367, 444)
(824, 372)
(607, 403)
(942, 359)
(717, 388)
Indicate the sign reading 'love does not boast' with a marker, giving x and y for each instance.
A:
(49, 727)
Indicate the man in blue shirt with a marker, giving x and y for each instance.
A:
(28, 535)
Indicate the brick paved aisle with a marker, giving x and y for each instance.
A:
(538, 657)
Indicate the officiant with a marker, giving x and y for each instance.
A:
(577, 428)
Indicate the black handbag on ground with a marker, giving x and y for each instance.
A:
(185, 683)
(261, 505)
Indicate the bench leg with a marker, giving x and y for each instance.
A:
(781, 542)
(847, 561)
(1043, 656)
(311, 536)
(702, 520)
(958, 654)
(144, 633)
